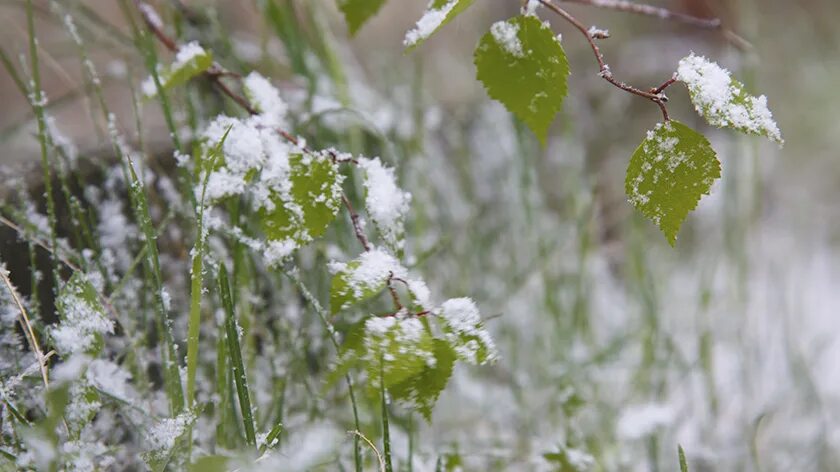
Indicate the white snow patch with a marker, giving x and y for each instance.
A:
(722, 101)
(385, 202)
(427, 24)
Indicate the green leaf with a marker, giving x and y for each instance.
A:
(191, 60)
(722, 101)
(522, 64)
(351, 353)
(669, 173)
(357, 12)
(421, 391)
(439, 13)
(311, 205)
(402, 348)
(361, 279)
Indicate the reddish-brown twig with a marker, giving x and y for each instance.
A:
(604, 69)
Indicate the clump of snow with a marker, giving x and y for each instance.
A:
(266, 99)
(428, 23)
(186, 53)
(723, 101)
(506, 35)
(385, 202)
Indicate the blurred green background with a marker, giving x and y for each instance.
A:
(612, 342)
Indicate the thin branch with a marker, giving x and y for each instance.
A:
(27, 328)
(650, 10)
(604, 69)
(34, 239)
(357, 226)
(711, 24)
(393, 292)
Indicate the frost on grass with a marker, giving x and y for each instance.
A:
(723, 101)
(162, 436)
(505, 34)
(83, 320)
(385, 202)
(465, 331)
(669, 173)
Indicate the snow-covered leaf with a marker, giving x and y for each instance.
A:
(465, 332)
(400, 347)
(669, 173)
(522, 64)
(421, 391)
(163, 437)
(83, 318)
(386, 204)
(362, 278)
(357, 12)
(438, 13)
(722, 101)
(309, 207)
(190, 61)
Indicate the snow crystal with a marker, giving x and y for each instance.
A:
(427, 25)
(505, 34)
(640, 420)
(386, 203)
(722, 100)
(266, 99)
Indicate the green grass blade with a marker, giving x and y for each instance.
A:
(171, 374)
(235, 357)
(386, 433)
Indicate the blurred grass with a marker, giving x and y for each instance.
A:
(730, 331)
